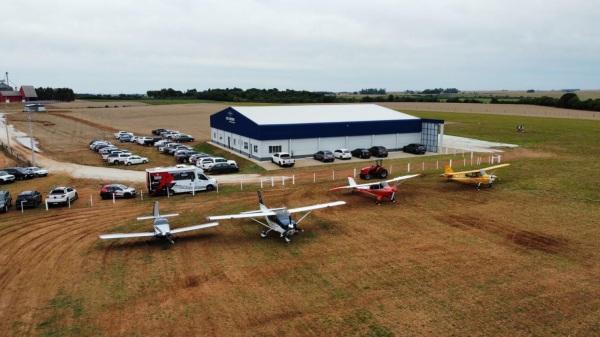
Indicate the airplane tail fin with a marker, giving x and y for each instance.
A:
(351, 181)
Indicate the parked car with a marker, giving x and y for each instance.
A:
(361, 153)
(167, 146)
(121, 133)
(208, 162)
(5, 201)
(158, 131)
(183, 156)
(19, 172)
(283, 159)
(119, 190)
(6, 177)
(415, 148)
(29, 199)
(111, 152)
(342, 154)
(171, 150)
(135, 160)
(62, 196)
(108, 149)
(126, 138)
(378, 151)
(324, 156)
(37, 171)
(98, 146)
(183, 138)
(119, 158)
(193, 158)
(143, 140)
(218, 168)
(160, 143)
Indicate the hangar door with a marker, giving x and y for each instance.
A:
(304, 146)
(359, 141)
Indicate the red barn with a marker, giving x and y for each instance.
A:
(9, 96)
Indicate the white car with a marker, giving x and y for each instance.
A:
(161, 142)
(208, 162)
(283, 159)
(62, 196)
(143, 140)
(113, 153)
(38, 171)
(120, 133)
(134, 160)
(5, 177)
(342, 154)
(119, 158)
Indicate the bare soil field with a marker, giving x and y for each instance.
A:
(496, 109)
(424, 266)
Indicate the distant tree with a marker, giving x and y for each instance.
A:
(530, 91)
(569, 100)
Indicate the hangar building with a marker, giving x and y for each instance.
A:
(301, 130)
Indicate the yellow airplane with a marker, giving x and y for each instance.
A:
(478, 178)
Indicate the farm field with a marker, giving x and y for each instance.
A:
(521, 259)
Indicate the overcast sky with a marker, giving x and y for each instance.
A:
(131, 46)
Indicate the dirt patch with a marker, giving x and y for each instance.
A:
(538, 241)
(523, 238)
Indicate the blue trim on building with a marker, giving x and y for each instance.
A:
(230, 120)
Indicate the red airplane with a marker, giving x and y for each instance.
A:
(380, 190)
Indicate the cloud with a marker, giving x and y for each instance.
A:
(132, 46)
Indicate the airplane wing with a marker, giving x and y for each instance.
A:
(376, 182)
(193, 228)
(318, 206)
(480, 169)
(126, 235)
(240, 215)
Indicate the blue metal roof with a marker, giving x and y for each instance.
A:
(231, 120)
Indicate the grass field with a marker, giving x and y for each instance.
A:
(521, 259)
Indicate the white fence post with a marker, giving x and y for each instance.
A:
(437, 164)
(314, 177)
(241, 185)
(69, 201)
(22, 207)
(272, 181)
(261, 183)
(354, 173)
(282, 180)
(450, 163)
(113, 198)
(91, 201)
(46, 202)
(391, 167)
(293, 179)
(408, 167)
(142, 195)
(464, 161)
(471, 158)
(193, 188)
(217, 187)
(168, 193)
(332, 174)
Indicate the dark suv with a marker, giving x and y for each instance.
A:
(29, 199)
(5, 201)
(379, 151)
(20, 173)
(361, 153)
(415, 148)
(324, 156)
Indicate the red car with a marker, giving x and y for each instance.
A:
(374, 171)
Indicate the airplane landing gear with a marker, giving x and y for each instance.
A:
(287, 240)
(263, 234)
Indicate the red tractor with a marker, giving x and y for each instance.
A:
(374, 171)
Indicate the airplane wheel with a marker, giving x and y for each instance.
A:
(263, 234)
(287, 240)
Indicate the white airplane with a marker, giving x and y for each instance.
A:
(277, 219)
(162, 230)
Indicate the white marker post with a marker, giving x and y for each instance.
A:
(272, 181)
(142, 195)
(450, 163)
(22, 206)
(293, 179)
(283, 181)
(168, 196)
(261, 183)
(113, 198)
(69, 201)
(315, 176)
(437, 165)
(464, 161)
(46, 202)
(193, 189)
(354, 174)
(422, 166)
(391, 167)
(91, 201)
(241, 185)
(408, 167)
(332, 174)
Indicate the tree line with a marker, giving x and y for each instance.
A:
(55, 94)
(249, 95)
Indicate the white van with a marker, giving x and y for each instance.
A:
(178, 179)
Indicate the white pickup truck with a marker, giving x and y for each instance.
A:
(283, 159)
